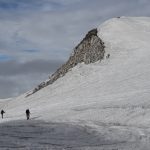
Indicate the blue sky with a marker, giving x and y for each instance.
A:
(37, 36)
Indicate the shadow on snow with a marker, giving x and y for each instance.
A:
(36, 134)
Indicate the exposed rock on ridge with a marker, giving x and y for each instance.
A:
(89, 50)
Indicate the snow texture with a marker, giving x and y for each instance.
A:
(99, 106)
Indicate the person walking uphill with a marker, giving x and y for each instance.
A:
(28, 114)
(2, 113)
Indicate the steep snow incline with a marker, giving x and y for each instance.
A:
(114, 91)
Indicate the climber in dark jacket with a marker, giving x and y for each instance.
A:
(28, 114)
(2, 112)
(108, 55)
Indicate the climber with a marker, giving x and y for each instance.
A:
(108, 55)
(2, 112)
(28, 114)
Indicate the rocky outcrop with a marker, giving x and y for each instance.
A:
(89, 50)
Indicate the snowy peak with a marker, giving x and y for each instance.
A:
(123, 37)
(125, 32)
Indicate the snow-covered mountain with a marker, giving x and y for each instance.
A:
(110, 95)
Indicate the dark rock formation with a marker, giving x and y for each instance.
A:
(89, 50)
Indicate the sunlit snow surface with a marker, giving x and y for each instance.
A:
(104, 105)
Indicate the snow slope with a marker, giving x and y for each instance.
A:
(109, 96)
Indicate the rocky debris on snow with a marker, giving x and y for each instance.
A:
(89, 50)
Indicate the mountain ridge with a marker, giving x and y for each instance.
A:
(89, 50)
